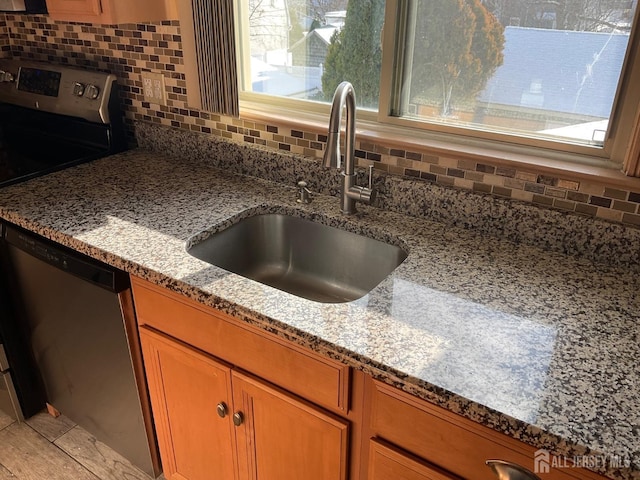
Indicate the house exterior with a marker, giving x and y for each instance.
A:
(545, 87)
(311, 50)
(580, 78)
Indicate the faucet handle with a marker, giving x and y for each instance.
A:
(363, 194)
(370, 177)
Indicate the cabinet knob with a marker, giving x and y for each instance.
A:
(510, 471)
(222, 409)
(238, 418)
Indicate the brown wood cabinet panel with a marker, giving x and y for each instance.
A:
(447, 440)
(299, 370)
(284, 438)
(185, 387)
(111, 11)
(280, 437)
(91, 8)
(388, 463)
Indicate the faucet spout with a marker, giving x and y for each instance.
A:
(332, 153)
(344, 98)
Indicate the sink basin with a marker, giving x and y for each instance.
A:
(304, 258)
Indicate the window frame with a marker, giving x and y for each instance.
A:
(382, 127)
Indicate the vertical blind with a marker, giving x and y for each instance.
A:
(208, 40)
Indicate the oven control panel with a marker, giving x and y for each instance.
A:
(57, 89)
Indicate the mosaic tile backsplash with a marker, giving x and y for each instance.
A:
(128, 50)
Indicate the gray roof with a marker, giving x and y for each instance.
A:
(558, 70)
(323, 33)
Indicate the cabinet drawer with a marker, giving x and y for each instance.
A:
(294, 368)
(388, 463)
(447, 440)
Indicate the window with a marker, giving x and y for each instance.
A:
(552, 75)
(302, 49)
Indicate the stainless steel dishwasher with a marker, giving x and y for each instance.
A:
(73, 306)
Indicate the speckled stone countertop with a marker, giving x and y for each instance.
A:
(536, 344)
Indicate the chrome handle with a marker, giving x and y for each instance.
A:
(362, 194)
(238, 418)
(510, 471)
(222, 409)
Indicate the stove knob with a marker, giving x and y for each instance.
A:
(91, 92)
(78, 89)
(6, 76)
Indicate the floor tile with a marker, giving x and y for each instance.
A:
(96, 457)
(29, 456)
(5, 420)
(50, 427)
(6, 474)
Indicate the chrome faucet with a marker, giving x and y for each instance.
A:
(345, 96)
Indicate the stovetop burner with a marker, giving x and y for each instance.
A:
(18, 164)
(54, 117)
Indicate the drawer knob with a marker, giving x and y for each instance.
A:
(510, 471)
(238, 418)
(222, 409)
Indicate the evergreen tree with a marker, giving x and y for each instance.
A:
(334, 69)
(457, 49)
(355, 53)
(458, 46)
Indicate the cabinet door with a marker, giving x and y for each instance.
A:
(111, 11)
(387, 463)
(186, 388)
(284, 438)
(71, 8)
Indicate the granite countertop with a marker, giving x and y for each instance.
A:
(536, 344)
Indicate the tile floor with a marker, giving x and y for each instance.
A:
(57, 449)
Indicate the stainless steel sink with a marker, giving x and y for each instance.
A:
(305, 258)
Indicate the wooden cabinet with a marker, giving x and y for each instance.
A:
(455, 444)
(282, 437)
(213, 420)
(186, 388)
(111, 11)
